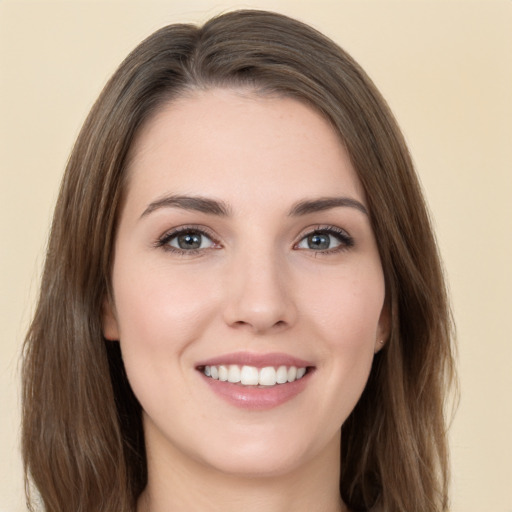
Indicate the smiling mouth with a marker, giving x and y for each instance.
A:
(267, 376)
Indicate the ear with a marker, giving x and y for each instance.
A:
(109, 321)
(383, 328)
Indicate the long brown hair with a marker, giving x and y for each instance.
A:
(82, 441)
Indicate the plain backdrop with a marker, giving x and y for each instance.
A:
(446, 69)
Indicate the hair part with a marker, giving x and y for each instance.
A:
(82, 438)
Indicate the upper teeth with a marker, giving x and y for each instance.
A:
(252, 376)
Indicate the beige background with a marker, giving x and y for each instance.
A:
(445, 68)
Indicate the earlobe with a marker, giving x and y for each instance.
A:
(379, 344)
(109, 321)
(383, 329)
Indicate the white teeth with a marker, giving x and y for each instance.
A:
(233, 373)
(223, 373)
(252, 376)
(267, 376)
(249, 376)
(282, 375)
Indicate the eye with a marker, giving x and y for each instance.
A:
(186, 240)
(326, 240)
(190, 240)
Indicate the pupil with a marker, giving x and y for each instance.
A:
(189, 241)
(318, 241)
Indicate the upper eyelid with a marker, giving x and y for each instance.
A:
(189, 227)
(323, 228)
(347, 240)
(172, 232)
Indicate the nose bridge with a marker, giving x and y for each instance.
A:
(259, 289)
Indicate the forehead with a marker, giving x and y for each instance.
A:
(233, 143)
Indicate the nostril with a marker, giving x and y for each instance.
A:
(241, 323)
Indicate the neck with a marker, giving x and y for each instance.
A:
(175, 485)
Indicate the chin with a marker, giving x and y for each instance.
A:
(265, 464)
(275, 454)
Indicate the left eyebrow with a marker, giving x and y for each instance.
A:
(325, 203)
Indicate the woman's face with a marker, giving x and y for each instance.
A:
(244, 251)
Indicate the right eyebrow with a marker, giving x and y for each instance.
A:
(196, 203)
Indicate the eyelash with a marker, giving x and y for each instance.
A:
(346, 241)
(164, 240)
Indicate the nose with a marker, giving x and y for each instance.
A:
(259, 295)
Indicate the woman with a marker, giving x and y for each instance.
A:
(242, 303)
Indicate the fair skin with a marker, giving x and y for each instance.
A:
(262, 272)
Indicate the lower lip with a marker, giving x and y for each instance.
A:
(254, 397)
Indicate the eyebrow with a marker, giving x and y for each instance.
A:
(219, 208)
(198, 204)
(325, 203)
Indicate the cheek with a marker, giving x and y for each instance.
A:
(160, 314)
(158, 308)
(348, 307)
(346, 314)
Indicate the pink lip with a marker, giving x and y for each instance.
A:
(257, 360)
(255, 397)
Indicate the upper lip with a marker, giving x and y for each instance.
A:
(257, 360)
